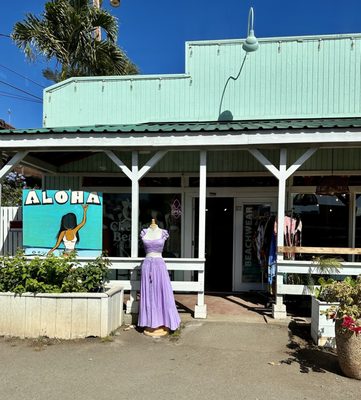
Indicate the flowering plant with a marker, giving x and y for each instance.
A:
(15, 179)
(348, 294)
(351, 324)
(12, 189)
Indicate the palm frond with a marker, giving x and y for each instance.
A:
(65, 31)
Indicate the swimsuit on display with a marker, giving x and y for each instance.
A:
(157, 304)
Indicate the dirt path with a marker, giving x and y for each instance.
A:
(208, 360)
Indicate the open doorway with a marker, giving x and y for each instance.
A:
(219, 243)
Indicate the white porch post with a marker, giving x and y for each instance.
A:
(1, 221)
(1, 225)
(282, 174)
(135, 205)
(132, 303)
(279, 309)
(3, 171)
(12, 163)
(135, 174)
(200, 310)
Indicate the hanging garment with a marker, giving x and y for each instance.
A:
(289, 233)
(157, 304)
(259, 240)
(272, 258)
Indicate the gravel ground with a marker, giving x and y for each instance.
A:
(205, 360)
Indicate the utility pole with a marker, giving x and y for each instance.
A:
(98, 32)
(97, 4)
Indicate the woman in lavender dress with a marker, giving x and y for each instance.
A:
(157, 312)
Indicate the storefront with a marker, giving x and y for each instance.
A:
(217, 184)
(241, 211)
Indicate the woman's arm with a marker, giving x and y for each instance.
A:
(82, 223)
(60, 238)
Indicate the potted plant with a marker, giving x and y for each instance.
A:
(322, 328)
(347, 317)
(56, 297)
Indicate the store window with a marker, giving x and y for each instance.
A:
(324, 219)
(358, 223)
(165, 208)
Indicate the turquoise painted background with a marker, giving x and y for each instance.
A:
(41, 224)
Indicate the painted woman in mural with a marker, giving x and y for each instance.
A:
(69, 231)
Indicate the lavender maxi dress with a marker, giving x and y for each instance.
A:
(157, 304)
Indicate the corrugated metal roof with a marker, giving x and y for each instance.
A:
(170, 127)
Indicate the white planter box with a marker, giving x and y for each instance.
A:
(322, 329)
(61, 315)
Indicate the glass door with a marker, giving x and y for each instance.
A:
(254, 225)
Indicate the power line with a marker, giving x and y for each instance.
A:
(23, 76)
(14, 96)
(21, 90)
(17, 73)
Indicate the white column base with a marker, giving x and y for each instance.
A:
(279, 311)
(200, 311)
(132, 307)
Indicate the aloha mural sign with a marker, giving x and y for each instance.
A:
(62, 221)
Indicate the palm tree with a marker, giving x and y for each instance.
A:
(66, 32)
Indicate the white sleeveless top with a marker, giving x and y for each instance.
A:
(69, 244)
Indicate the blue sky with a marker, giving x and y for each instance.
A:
(153, 34)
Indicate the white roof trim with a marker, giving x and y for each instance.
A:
(183, 140)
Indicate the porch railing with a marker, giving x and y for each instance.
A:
(10, 239)
(296, 267)
(285, 267)
(132, 266)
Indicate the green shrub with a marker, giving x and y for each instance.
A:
(52, 274)
(348, 294)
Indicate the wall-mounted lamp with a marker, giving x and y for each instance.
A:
(251, 43)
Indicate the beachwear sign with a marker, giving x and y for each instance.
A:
(255, 219)
(62, 221)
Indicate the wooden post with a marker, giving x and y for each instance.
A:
(282, 174)
(132, 304)
(200, 310)
(135, 205)
(1, 225)
(135, 174)
(279, 309)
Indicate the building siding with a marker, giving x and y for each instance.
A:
(302, 77)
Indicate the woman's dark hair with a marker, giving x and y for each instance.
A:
(68, 221)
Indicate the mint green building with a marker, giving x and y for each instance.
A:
(216, 161)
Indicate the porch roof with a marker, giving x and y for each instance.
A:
(211, 126)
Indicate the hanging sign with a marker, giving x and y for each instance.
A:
(60, 221)
(253, 238)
